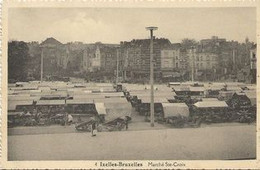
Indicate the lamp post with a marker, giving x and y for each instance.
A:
(117, 64)
(151, 74)
(41, 65)
(192, 69)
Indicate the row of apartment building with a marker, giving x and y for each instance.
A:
(204, 61)
(76, 57)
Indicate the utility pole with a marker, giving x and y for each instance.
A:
(192, 66)
(41, 65)
(151, 74)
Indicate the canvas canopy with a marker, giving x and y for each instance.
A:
(148, 92)
(215, 88)
(181, 88)
(197, 89)
(210, 99)
(156, 100)
(157, 95)
(226, 94)
(114, 110)
(89, 101)
(14, 113)
(234, 88)
(115, 94)
(89, 96)
(174, 83)
(211, 104)
(19, 97)
(112, 100)
(50, 102)
(12, 104)
(175, 109)
(100, 107)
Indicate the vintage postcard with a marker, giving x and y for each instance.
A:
(127, 84)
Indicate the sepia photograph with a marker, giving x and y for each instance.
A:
(108, 84)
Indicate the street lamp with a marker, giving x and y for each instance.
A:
(41, 64)
(151, 74)
(192, 69)
(117, 64)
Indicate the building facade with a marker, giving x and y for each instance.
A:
(253, 63)
(136, 57)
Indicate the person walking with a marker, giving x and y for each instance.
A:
(93, 128)
(126, 123)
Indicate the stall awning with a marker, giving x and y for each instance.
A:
(12, 104)
(114, 110)
(181, 88)
(174, 83)
(157, 95)
(234, 88)
(215, 88)
(88, 96)
(213, 104)
(50, 102)
(117, 100)
(115, 94)
(197, 89)
(100, 107)
(175, 109)
(209, 99)
(85, 101)
(156, 100)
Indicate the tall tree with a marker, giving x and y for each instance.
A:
(187, 43)
(18, 57)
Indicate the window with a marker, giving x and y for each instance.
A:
(177, 65)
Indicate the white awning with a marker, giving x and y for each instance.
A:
(208, 104)
(85, 101)
(12, 104)
(51, 102)
(156, 100)
(210, 99)
(198, 89)
(175, 109)
(100, 107)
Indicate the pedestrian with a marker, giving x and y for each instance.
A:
(126, 123)
(65, 118)
(93, 128)
(70, 119)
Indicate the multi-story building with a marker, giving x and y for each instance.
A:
(253, 57)
(172, 63)
(54, 54)
(203, 65)
(136, 55)
(253, 63)
(170, 57)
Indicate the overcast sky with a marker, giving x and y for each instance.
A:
(112, 25)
